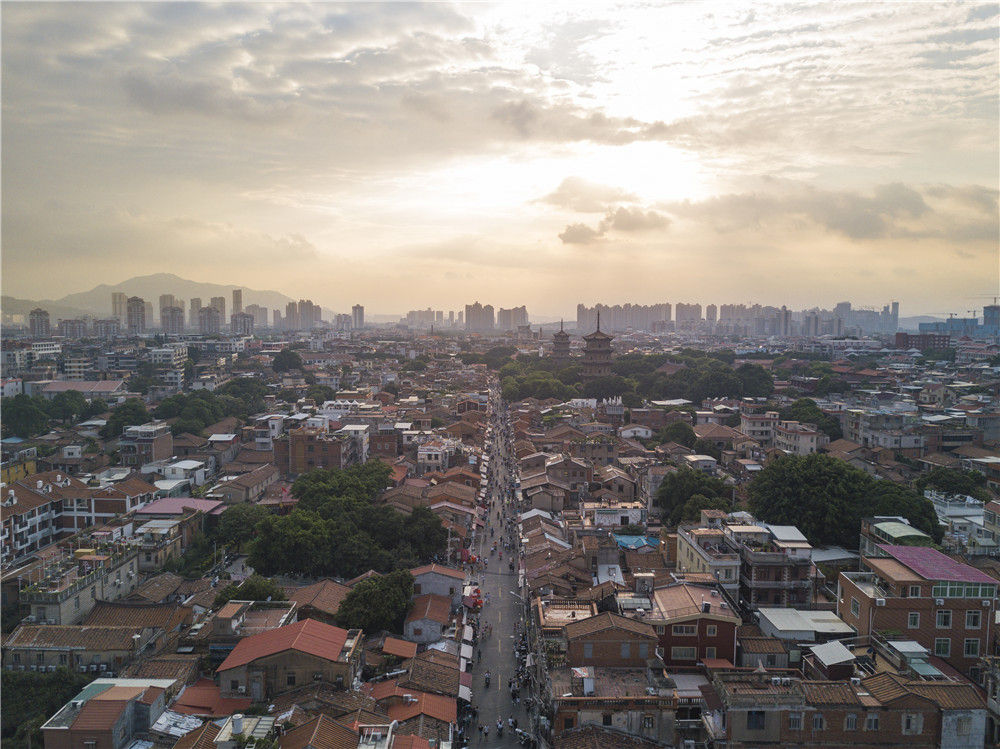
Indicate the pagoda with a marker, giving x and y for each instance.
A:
(597, 353)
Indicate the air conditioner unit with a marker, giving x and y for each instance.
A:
(34, 667)
(880, 602)
(83, 669)
(987, 602)
(241, 689)
(30, 618)
(104, 667)
(52, 668)
(939, 602)
(776, 681)
(856, 681)
(785, 681)
(21, 667)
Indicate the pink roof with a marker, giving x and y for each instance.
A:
(176, 505)
(931, 564)
(308, 636)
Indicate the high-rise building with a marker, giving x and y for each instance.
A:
(193, 311)
(107, 328)
(479, 318)
(342, 322)
(711, 314)
(167, 300)
(38, 323)
(73, 329)
(259, 315)
(148, 309)
(357, 317)
(135, 314)
(118, 301)
(623, 316)
(172, 320)
(512, 319)
(209, 321)
(309, 314)
(687, 313)
(237, 301)
(292, 316)
(219, 302)
(276, 317)
(241, 324)
(451, 319)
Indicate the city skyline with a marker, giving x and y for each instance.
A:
(533, 156)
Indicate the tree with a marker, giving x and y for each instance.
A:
(254, 588)
(68, 405)
(954, 481)
(94, 408)
(691, 511)
(805, 410)
(378, 603)
(131, 412)
(757, 381)
(826, 499)
(631, 530)
(704, 447)
(23, 417)
(32, 698)
(238, 523)
(679, 487)
(286, 360)
(677, 431)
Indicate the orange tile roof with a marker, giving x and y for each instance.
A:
(436, 706)
(402, 648)
(199, 738)
(99, 715)
(309, 636)
(440, 569)
(430, 606)
(325, 596)
(321, 732)
(204, 698)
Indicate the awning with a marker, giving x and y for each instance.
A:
(464, 693)
(467, 634)
(466, 651)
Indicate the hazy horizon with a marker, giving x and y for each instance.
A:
(404, 156)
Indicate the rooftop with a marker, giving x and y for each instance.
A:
(931, 564)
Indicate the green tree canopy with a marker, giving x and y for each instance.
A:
(237, 524)
(30, 699)
(24, 416)
(680, 486)
(378, 603)
(254, 588)
(955, 481)
(131, 412)
(757, 381)
(677, 431)
(68, 405)
(826, 499)
(286, 360)
(806, 410)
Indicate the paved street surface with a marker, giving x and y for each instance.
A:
(504, 612)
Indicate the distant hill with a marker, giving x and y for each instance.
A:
(97, 301)
(912, 324)
(14, 306)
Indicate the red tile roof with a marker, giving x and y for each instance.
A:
(99, 715)
(402, 648)
(430, 606)
(203, 698)
(440, 569)
(309, 636)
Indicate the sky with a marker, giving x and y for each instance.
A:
(405, 156)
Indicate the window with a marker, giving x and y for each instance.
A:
(16, 657)
(871, 722)
(971, 647)
(943, 620)
(233, 685)
(567, 723)
(963, 726)
(913, 724)
(626, 650)
(942, 646)
(588, 650)
(855, 607)
(795, 721)
(418, 631)
(290, 680)
(712, 630)
(913, 620)
(851, 722)
(710, 653)
(63, 659)
(647, 721)
(819, 722)
(755, 720)
(660, 629)
(683, 654)
(643, 650)
(606, 719)
(685, 629)
(914, 591)
(416, 588)
(973, 619)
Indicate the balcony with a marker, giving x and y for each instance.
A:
(759, 583)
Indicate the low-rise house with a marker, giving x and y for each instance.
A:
(320, 601)
(97, 649)
(428, 619)
(269, 663)
(609, 640)
(439, 580)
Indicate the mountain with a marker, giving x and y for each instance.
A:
(97, 301)
(912, 324)
(14, 306)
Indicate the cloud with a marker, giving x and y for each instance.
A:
(580, 234)
(578, 194)
(891, 210)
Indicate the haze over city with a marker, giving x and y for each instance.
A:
(410, 155)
